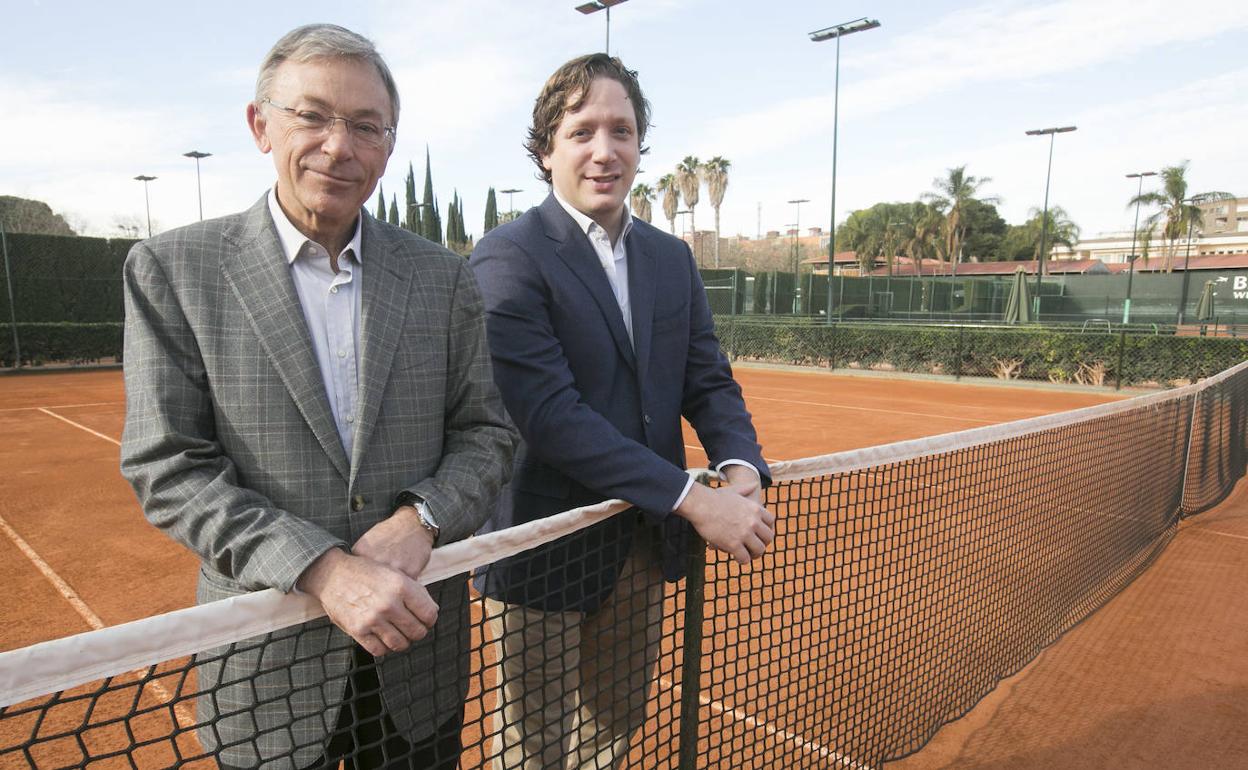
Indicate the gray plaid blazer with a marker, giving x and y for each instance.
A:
(231, 448)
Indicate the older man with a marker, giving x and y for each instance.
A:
(310, 408)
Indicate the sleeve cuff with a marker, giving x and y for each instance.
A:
(683, 494)
(720, 468)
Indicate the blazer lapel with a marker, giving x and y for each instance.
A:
(642, 289)
(383, 310)
(257, 272)
(579, 256)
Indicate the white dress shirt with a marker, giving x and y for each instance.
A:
(331, 308)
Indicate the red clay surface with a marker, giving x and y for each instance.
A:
(1158, 677)
(60, 491)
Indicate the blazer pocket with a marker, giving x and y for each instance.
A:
(669, 321)
(408, 360)
(538, 479)
(214, 586)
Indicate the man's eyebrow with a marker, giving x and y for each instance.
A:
(324, 106)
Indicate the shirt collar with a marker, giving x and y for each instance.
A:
(292, 240)
(587, 224)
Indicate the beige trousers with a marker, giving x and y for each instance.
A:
(574, 685)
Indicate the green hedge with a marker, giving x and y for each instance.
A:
(60, 278)
(67, 343)
(1148, 360)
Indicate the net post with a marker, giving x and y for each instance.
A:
(957, 369)
(691, 663)
(1187, 454)
(1122, 345)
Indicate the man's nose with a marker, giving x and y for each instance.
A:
(603, 151)
(337, 141)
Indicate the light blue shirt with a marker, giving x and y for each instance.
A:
(331, 308)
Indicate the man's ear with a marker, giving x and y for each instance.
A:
(257, 123)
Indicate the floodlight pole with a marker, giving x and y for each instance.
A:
(818, 36)
(599, 5)
(199, 189)
(146, 200)
(1135, 229)
(797, 219)
(511, 211)
(8, 282)
(1044, 217)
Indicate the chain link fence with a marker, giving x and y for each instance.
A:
(1138, 357)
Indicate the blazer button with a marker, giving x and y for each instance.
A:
(357, 503)
(646, 417)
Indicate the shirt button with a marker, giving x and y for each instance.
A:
(357, 503)
(342, 354)
(333, 290)
(646, 418)
(350, 418)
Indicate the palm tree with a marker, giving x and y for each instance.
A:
(671, 198)
(924, 241)
(1175, 215)
(689, 180)
(639, 201)
(715, 172)
(1061, 229)
(863, 235)
(954, 190)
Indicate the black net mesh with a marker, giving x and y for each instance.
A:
(904, 583)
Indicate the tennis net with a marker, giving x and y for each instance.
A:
(905, 581)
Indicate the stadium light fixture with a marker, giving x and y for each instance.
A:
(144, 178)
(1135, 229)
(197, 155)
(595, 7)
(1044, 221)
(511, 210)
(837, 32)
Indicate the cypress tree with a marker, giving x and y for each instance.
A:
(460, 236)
(411, 219)
(431, 220)
(394, 211)
(491, 211)
(381, 203)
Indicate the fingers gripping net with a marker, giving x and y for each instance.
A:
(905, 582)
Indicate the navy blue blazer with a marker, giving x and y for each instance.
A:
(600, 416)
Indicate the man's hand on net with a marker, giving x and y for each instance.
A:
(377, 605)
(399, 541)
(731, 518)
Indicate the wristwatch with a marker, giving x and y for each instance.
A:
(426, 518)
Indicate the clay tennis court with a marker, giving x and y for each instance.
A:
(77, 553)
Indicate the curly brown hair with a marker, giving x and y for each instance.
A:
(572, 81)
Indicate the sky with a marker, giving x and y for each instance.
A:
(97, 93)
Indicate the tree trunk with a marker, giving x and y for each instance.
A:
(717, 237)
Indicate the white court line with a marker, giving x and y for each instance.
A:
(67, 593)
(80, 426)
(754, 723)
(1215, 532)
(183, 714)
(869, 409)
(60, 406)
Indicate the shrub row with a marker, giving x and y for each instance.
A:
(1027, 354)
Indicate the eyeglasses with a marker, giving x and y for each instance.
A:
(366, 132)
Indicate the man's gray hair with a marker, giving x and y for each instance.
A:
(324, 41)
